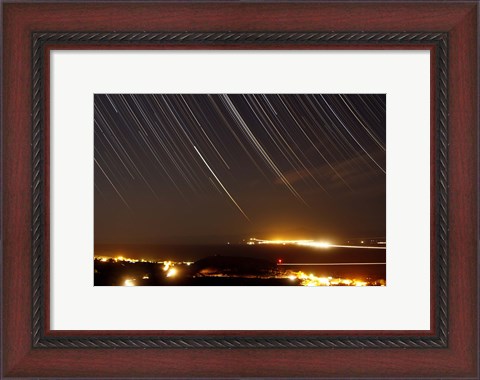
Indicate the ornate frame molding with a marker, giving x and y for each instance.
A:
(40, 39)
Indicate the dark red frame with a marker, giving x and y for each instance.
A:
(459, 359)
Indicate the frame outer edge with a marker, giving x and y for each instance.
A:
(39, 39)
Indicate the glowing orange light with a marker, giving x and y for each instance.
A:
(172, 272)
(166, 265)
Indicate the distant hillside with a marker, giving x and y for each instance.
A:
(233, 266)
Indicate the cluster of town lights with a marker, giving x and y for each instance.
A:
(121, 258)
(168, 267)
(312, 280)
(117, 259)
(303, 278)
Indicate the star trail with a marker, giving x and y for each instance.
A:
(213, 166)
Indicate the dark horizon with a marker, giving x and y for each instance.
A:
(206, 169)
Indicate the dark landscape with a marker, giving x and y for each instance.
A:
(238, 264)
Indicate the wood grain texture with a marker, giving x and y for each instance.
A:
(458, 360)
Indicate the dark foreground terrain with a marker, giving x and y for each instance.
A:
(221, 270)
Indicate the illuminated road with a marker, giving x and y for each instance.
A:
(331, 264)
(353, 246)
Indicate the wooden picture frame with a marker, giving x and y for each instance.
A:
(31, 349)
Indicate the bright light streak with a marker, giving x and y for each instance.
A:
(129, 282)
(172, 272)
(334, 264)
(315, 244)
(311, 243)
(221, 184)
(357, 246)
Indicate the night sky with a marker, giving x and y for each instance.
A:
(224, 167)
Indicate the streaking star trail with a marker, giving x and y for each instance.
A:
(221, 184)
(204, 167)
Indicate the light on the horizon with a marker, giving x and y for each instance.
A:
(311, 243)
(316, 244)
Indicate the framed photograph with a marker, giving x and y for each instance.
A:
(240, 190)
(269, 173)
